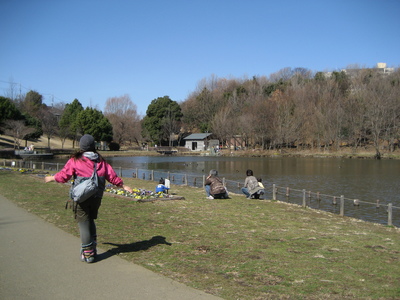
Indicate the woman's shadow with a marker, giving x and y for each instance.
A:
(132, 247)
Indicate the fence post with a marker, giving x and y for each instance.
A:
(152, 175)
(390, 214)
(342, 205)
(186, 182)
(304, 198)
(204, 180)
(273, 192)
(120, 172)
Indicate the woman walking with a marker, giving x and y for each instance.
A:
(80, 166)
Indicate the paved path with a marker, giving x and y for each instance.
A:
(40, 261)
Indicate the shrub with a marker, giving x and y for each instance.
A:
(114, 146)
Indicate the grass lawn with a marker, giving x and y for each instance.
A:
(235, 248)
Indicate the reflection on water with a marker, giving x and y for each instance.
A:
(364, 179)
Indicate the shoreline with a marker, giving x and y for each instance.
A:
(258, 153)
(7, 145)
(246, 153)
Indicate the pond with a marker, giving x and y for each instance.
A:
(367, 180)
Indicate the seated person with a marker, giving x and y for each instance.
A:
(214, 186)
(161, 187)
(261, 191)
(252, 188)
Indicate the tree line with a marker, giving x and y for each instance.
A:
(290, 108)
(296, 108)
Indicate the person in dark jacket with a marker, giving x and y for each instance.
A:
(214, 186)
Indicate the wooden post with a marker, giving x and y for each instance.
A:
(120, 172)
(144, 175)
(168, 175)
(57, 167)
(334, 201)
(273, 192)
(184, 179)
(287, 192)
(318, 197)
(304, 198)
(342, 205)
(204, 180)
(152, 175)
(390, 214)
(377, 203)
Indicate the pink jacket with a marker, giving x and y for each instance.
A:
(84, 168)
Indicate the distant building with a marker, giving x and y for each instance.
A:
(380, 68)
(197, 141)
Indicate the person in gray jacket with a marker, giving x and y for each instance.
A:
(251, 187)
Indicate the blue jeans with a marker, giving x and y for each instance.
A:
(246, 192)
(256, 195)
(207, 188)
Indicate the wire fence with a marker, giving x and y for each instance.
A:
(372, 211)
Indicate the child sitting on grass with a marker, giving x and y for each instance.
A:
(161, 187)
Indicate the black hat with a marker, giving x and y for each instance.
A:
(87, 143)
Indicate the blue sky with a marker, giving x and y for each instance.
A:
(94, 50)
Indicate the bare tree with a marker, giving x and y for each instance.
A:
(170, 125)
(222, 125)
(49, 123)
(17, 129)
(122, 114)
(380, 105)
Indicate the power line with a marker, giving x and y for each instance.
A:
(28, 89)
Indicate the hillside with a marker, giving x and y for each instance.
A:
(55, 143)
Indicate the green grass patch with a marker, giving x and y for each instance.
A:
(235, 248)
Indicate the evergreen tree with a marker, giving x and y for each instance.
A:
(159, 115)
(69, 127)
(92, 121)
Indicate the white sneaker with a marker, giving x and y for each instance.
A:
(210, 197)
